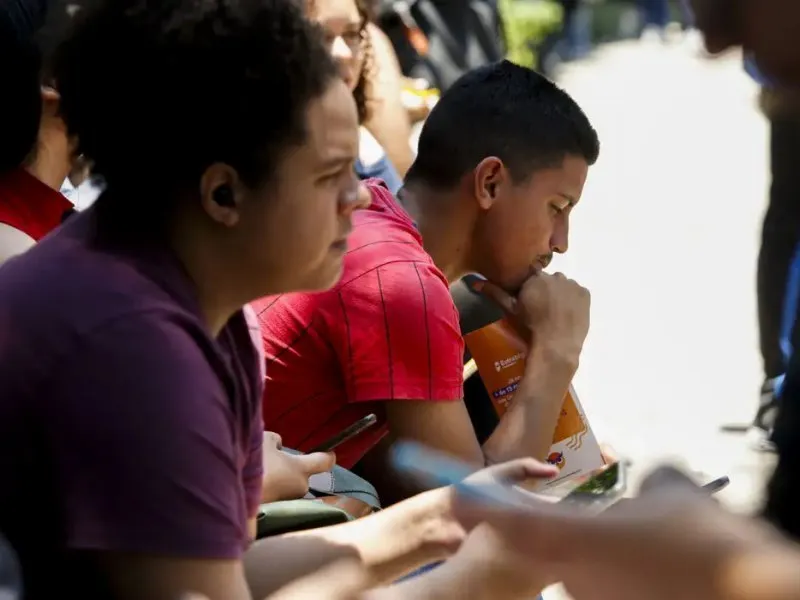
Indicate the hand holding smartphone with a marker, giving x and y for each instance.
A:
(599, 491)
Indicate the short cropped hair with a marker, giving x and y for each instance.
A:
(169, 87)
(503, 110)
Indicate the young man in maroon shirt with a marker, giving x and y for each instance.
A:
(502, 161)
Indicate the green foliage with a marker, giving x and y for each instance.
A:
(526, 24)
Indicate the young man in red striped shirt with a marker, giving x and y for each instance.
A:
(502, 161)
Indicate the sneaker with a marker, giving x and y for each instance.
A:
(759, 432)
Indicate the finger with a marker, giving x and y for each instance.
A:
(667, 477)
(316, 462)
(521, 469)
(497, 294)
(343, 580)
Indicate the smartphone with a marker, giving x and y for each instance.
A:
(340, 438)
(719, 484)
(602, 489)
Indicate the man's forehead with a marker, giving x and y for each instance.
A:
(333, 127)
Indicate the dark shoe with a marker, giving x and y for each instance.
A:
(758, 433)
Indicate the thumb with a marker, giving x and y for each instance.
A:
(316, 462)
(667, 477)
(497, 294)
(521, 469)
(343, 580)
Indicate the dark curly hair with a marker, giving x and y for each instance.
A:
(363, 91)
(177, 85)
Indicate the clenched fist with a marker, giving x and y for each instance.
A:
(550, 310)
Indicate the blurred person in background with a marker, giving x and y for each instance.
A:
(777, 280)
(768, 30)
(345, 23)
(655, 17)
(36, 154)
(573, 40)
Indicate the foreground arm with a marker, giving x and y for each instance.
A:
(396, 541)
(672, 542)
(484, 565)
(389, 544)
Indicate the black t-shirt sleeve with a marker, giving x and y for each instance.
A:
(476, 311)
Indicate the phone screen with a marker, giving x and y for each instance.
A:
(601, 489)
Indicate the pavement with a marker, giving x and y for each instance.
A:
(666, 238)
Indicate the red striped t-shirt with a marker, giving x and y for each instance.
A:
(29, 205)
(387, 331)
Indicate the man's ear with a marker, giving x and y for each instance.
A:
(220, 194)
(489, 175)
(50, 100)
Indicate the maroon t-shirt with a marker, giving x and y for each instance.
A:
(124, 426)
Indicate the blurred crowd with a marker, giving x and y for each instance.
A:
(227, 297)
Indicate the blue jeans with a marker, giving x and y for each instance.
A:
(655, 12)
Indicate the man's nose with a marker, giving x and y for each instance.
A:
(354, 200)
(559, 242)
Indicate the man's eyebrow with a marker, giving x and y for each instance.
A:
(336, 161)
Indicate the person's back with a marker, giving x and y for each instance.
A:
(77, 314)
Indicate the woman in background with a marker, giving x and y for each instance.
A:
(345, 24)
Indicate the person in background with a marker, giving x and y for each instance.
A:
(768, 30)
(777, 294)
(502, 162)
(389, 120)
(345, 25)
(35, 151)
(655, 16)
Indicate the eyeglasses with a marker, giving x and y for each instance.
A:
(354, 40)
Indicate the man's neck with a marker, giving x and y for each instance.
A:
(218, 290)
(49, 169)
(445, 235)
